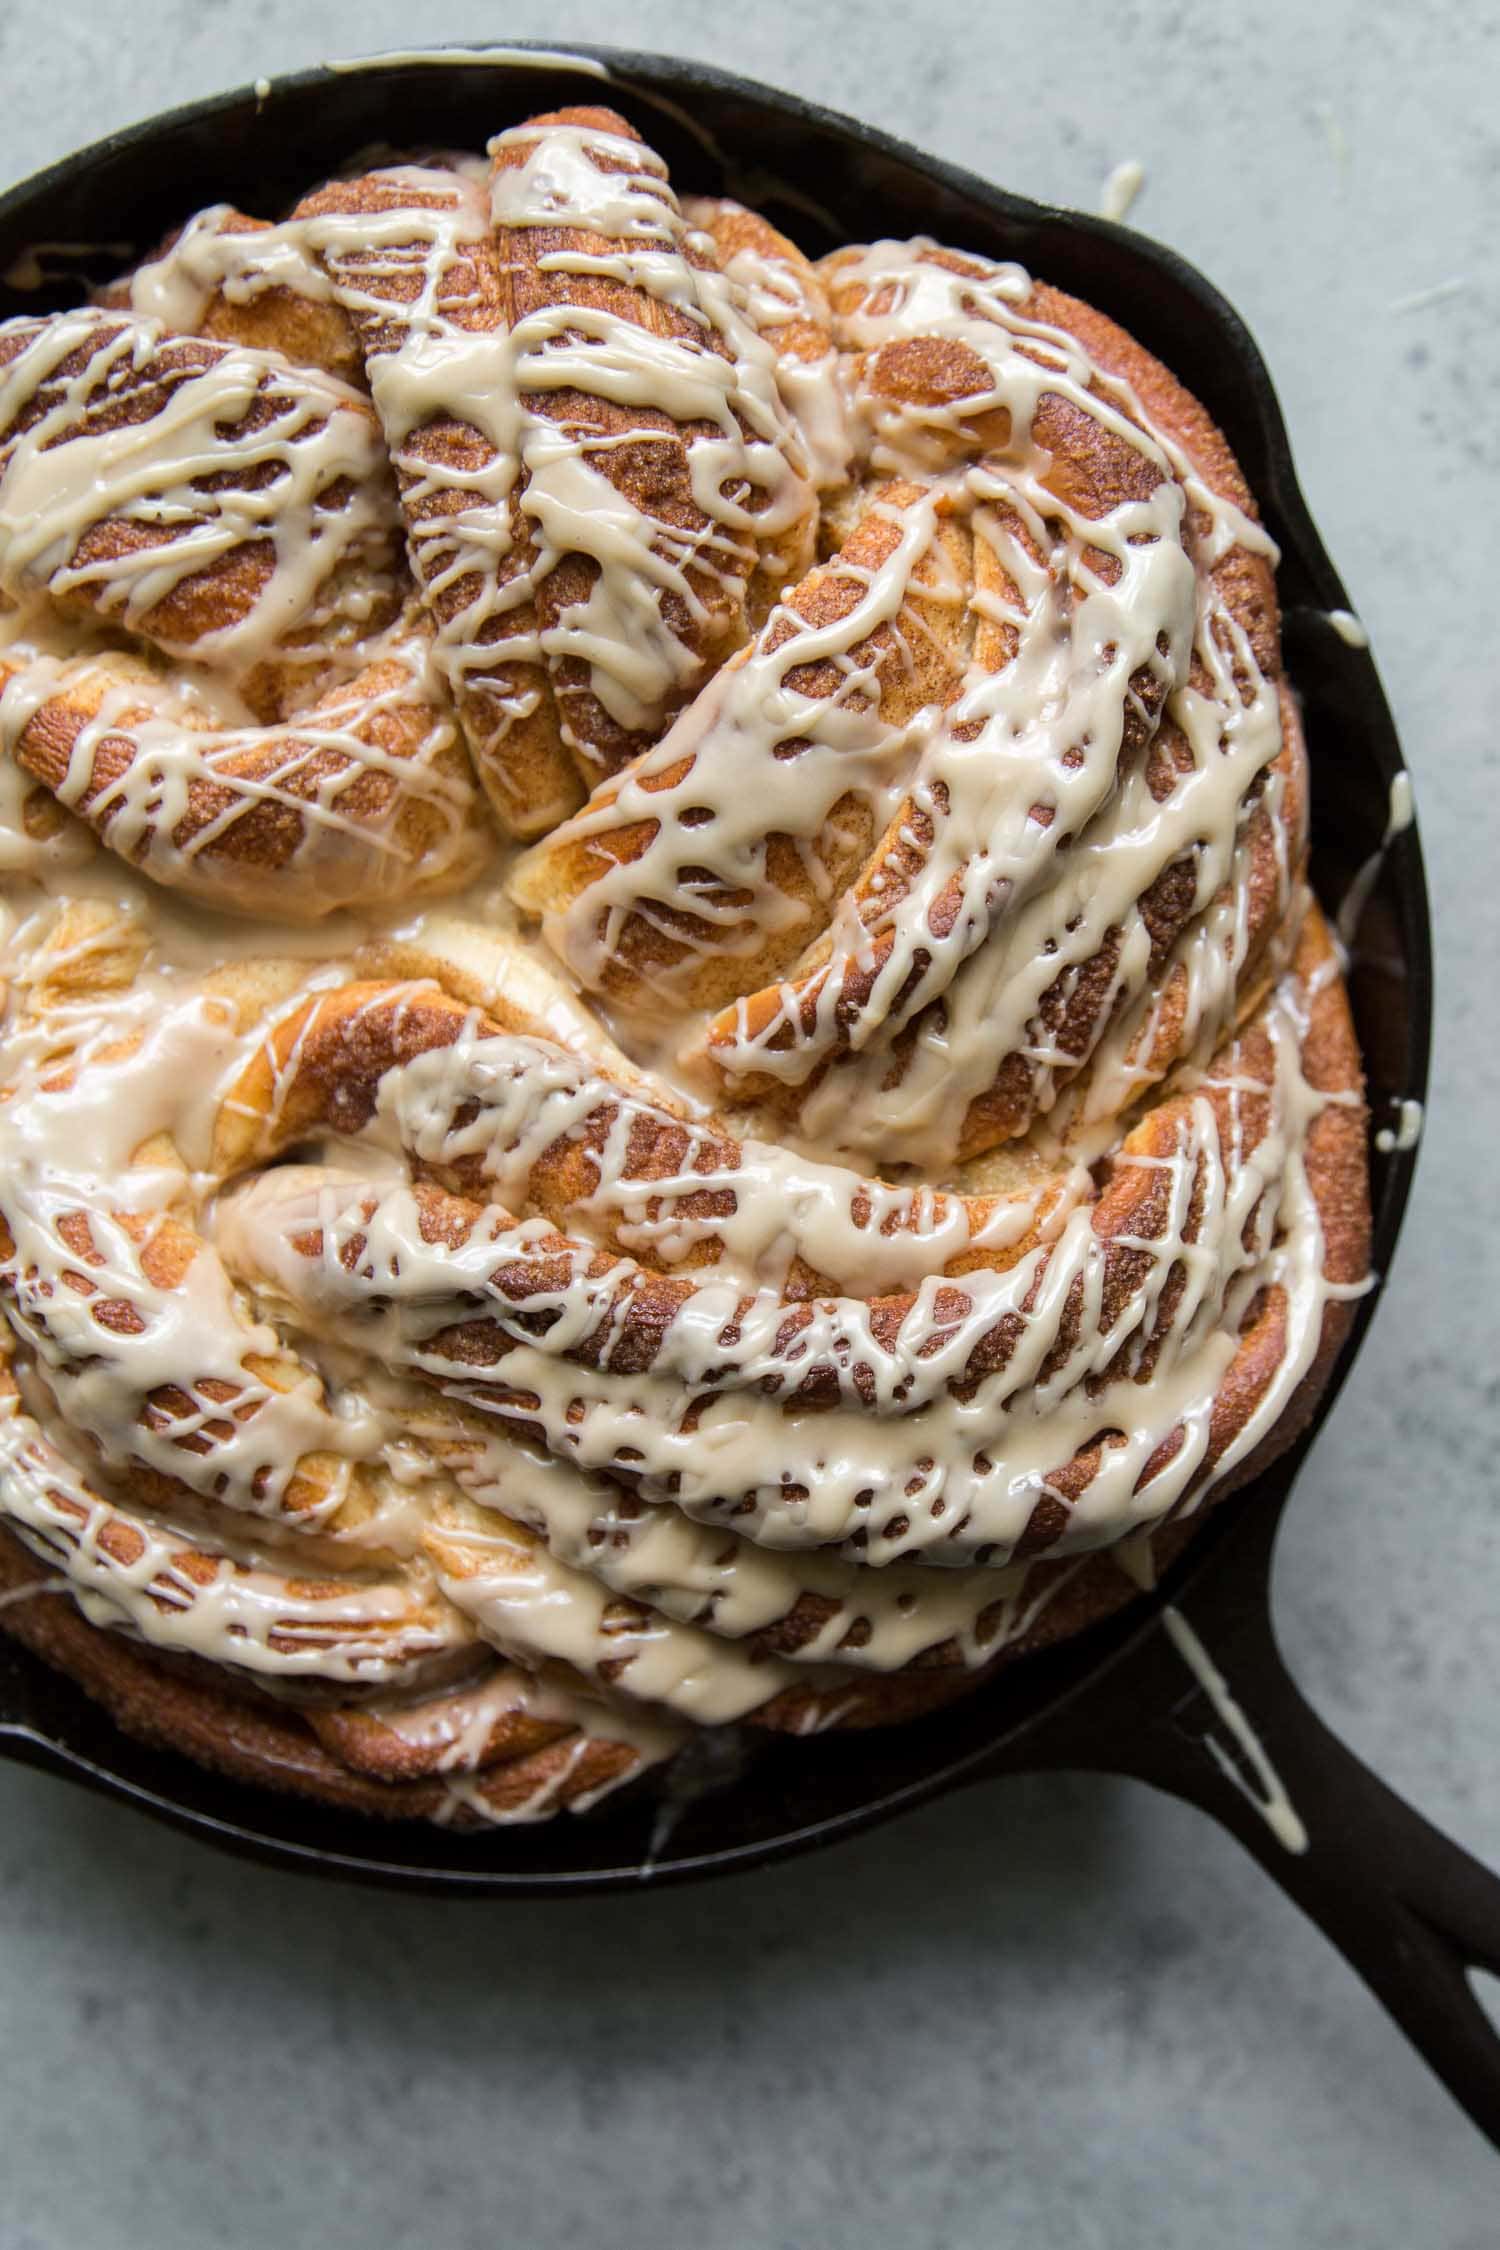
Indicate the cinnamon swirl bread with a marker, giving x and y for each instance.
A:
(666, 1059)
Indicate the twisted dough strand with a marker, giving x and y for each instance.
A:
(587, 552)
(362, 797)
(217, 503)
(1164, 1265)
(208, 497)
(1093, 827)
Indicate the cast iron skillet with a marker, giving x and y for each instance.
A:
(1409, 1909)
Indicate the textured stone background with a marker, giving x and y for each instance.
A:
(1066, 2012)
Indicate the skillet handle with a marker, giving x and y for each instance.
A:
(1408, 1908)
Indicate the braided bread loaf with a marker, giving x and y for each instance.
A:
(889, 1146)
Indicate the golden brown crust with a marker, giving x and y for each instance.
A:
(641, 451)
(915, 660)
(1092, 473)
(344, 1759)
(518, 756)
(806, 334)
(253, 827)
(540, 732)
(224, 594)
(272, 316)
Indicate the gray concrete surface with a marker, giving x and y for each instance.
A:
(1065, 2013)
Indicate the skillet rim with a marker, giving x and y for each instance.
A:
(45, 1720)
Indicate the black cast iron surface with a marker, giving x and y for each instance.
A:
(1408, 1908)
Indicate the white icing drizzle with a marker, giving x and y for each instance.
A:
(541, 493)
(781, 295)
(506, 58)
(142, 1575)
(15, 1595)
(1349, 629)
(1266, 1792)
(1405, 1133)
(1037, 839)
(899, 1462)
(1400, 814)
(239, 452)
(1121, 189)
(454, 1734)
(369, 799)
(1252, 1772)
(536, 1609)
(216, 253)
(1438, 293)
(736, 735)
(385, 1326)
(872, 1621)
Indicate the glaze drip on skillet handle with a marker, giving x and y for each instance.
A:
(1229, 1731)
